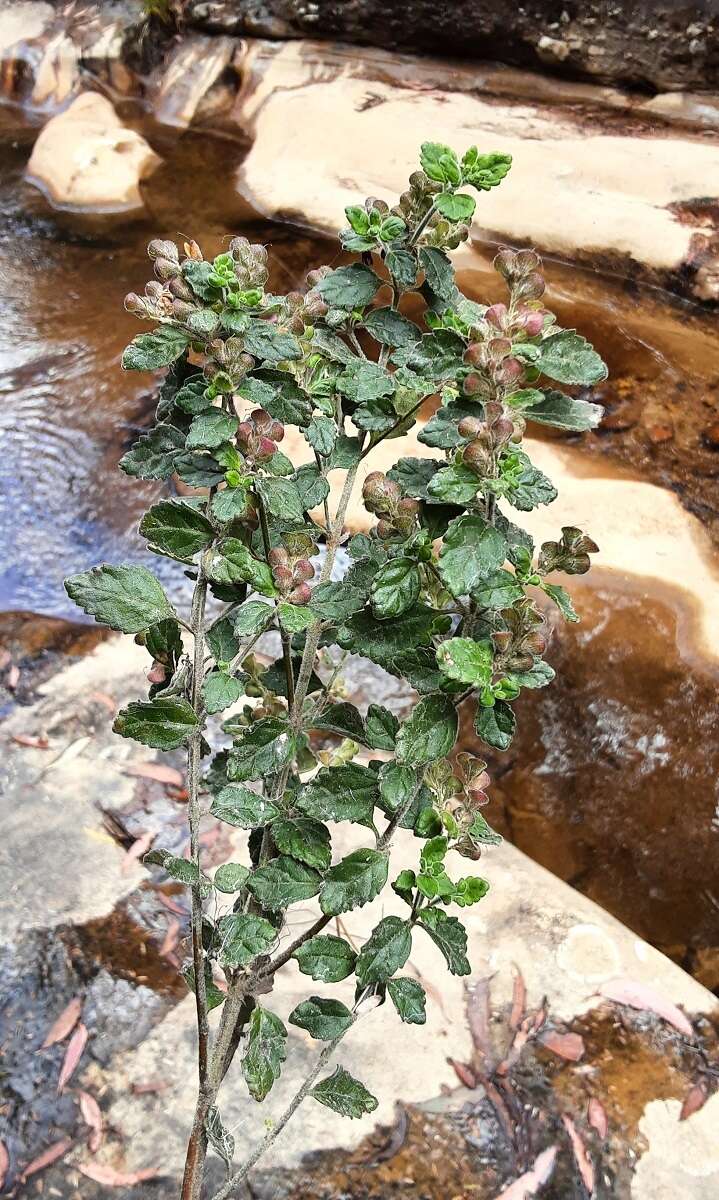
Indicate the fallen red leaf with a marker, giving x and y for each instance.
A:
(641, 996)
(34, 743)
(529, 1183)
(156, 771)
(73, 1054)
(597, 1117)
(92, 1117)
(5, 659)
(464, 1073)
(695, 1099)
(63, 1024)
(478, 1017)
(567, 1045)
(172, 936)
(179, 794)
(4, 1163)
(139, 847)
(49, 1156)
(151, 1085)
(103, 698)
(113, 1178)
(173, 905)
(582, 1159)
(519, 1000)
(12, 678)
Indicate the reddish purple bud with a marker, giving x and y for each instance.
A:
(470, 426)
(532, 323)
(472, 384)
(531, 287)
(511, 370)
(278, 557)
(474, 354)
(158, 673)
(497, 315)
(304, 570)
(302, 594)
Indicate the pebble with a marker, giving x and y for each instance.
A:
(658, 434)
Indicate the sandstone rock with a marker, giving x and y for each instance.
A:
(58, 74)
(86, 160)
(185, 81)
(611, 199)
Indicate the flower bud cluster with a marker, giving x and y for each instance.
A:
(257, 436)
(570, 555)
(383, 497)
(292, 574)
(522, 639)
(304, 308)
(489, 435)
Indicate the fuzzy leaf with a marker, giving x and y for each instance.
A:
(163, 723)
(562, 599)
(263, 749)
(354, 881)
(441, 430)
(342, 718)
(344, 793)
(396, 587)
(218, 1137)
(466, 660)
(283, 881)
(281, 498)
(237, 805)
(220, 690)
(390, 328)
(242, 937)
(403, 267)
(327, 958)
(385, 951)
(429, 732)
(232, 562)
(305, 839)
(265, 341)
(381, 727)
(471, 550)
(126, 598)
(149, 351)
(456, 206)
(210, 429)
(438, 272)
(177, 528)
(349, 287)
(450, 936)
(230, 877)
(344, 1094)
(265, 1054)
(569, 358)
(222, 640)
(322, 1018)
(457, 484)
(321, 433)
(414, 475)
(154, 454)
(409, 999)
(565, 412)
(495, 725)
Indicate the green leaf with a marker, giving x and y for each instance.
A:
(267, 746)
(180, 869)
(305, 839)
(381, 727)
(344, 793)
(564, 412)
(337, 601)
(294, 617)
(429, 732)
(220, 690)
(242, 937)
(230, 877)
(199, 470)
(499, 590)
(218, 1137)
(222, 641)
(485, 171)
(177, 528)
(403, 267)
(456, 207)
(438, 272)
(440, 163)
(197, 275)
(358, 218)
(163, 723)
(346, 454)
(353, 881)
(210, 429)
(331, 345)
(281, 498)
(322, 1018)
(266, 1051)
(312, 486)
(154, 454)
(409, 999)
(365, 381)
(450, 936)
(495, 725)
(441, 430)
(321, 433)
(342, 718)
(327, 958)
(390, 328)
(149, 351)
(192, 396)
(236, 805)
(414, 475)
(349, 287)
(472, 549)
(467, 661)
(213, 995)
(457, 484)
(283, 881)
(230, 504)
(265, 341)
(344, 1094)
(481, 831)
(526, 487)
(252, 617)
(385, 641)
(569, 358)
(281, 396)
(385, 951)
(539, 676)
(562, 599)
(126, 598)
(232, 562)
(397, 788)
(395, 588)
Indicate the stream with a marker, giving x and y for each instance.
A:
(612, 781)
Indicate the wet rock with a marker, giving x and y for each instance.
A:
(623, 189)
(188, 79)
(85, 159)
(682, 1158)
(119, 1015)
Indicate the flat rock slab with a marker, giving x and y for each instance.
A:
(331, 126)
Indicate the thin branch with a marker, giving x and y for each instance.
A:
(287, 953)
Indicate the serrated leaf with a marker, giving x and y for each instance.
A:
(457, 484)
(337, 601)
(385, 641)
(191, 397)
(385, 951)
(495, 725)
(222, 640)
(538, 676)
(199, 470)
(562, 599)
(429, 732)
(455, 206)
(438, 271)
(180, 869)
(149, 351)
(154, 454)
(236, 805)
(219, 1138)
(342, 718)
(499, 590)
(409, 999)
(344, 793)
(403, 267)
(467, 661)
(569, 358)
(163, 723)
(305, 839)
(398, 789)
(321, 433)
(344, 1094)
(327, 958)
(324, 1019)
(440, 163)
(281, 498)
(472, 549)
(381, 727)
(481, 831)
(230, 877)
(265, 341)
(349, 287)
(395, 588)
(242, 937)
(347, 452)
(177, 528)
(450, 936)
(281, 396)
(441, 431)
(390, 328)
(220, 690)
(566, 412)
(252, 617)
(126, 598)
(331, 345)
(231, 504)
(294, 617)
(312, 486)
(354, 881)
(283, 881)
(210, 429)
(231, 562)
(414, 475)
(266, 1051)
(266, 746)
